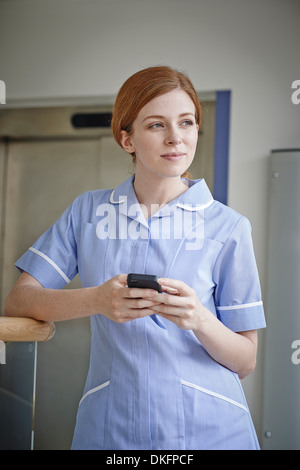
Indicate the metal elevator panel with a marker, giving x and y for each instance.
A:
(45, 164)
(281, 411)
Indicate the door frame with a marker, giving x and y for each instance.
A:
(222, 130)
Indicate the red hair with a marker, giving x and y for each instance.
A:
(144, 86)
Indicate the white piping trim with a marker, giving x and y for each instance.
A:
(214, 394)
(189, 207)
(37, 252)
(111, 199)
(237, 307)
(95, 389)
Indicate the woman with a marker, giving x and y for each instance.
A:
(165, 367)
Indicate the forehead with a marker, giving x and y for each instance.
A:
(174, 102)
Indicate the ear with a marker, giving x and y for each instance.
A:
(126, 142)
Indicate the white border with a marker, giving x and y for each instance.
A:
(237, 307)
(37, 252)
(190, 207)
(214, 394)
(95, 389)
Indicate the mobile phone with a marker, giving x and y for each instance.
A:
(143, 281)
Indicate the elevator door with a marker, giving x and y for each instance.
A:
(47, 163)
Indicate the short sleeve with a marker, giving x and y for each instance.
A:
(238, 294)
(52, 259)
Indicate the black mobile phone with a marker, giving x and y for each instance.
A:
(143, 281)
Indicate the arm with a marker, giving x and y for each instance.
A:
(236, 351)
(28, 298)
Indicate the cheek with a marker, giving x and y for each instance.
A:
(194, 141)
(191, 142)
(146, 146)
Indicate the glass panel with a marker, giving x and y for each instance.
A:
(17, 396)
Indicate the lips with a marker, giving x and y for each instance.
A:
(173, 156)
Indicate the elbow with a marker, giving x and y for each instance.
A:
(14, 305)
(21, 297)
(9, 310)
(247, 369)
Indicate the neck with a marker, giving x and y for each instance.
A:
(152, 193)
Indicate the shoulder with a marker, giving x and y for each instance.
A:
(220, 220)
(224, 221)
(84, 207)
(94, 196)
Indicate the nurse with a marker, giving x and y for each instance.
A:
(165, 368)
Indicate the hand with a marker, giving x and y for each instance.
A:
(179, 304)
(122, 304)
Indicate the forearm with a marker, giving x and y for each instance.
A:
(113, 299)
(49, 304)
(236, 351)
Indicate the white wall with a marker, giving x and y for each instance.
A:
(66, 48)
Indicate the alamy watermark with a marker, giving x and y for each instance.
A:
(296, 94)
(172, 223)
(2, 92)
(295, 357)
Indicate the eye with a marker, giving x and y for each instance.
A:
(156, 125)
(187, 123)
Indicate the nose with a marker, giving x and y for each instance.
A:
(173, 137)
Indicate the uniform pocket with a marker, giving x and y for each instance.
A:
(214, 394)
(91, 419)
(93, 390)
(215, 421)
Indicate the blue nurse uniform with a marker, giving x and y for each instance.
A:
(150, 384)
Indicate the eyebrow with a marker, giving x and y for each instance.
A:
(157, 116)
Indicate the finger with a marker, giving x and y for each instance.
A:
(135, 292)
(140, 304)
(181, 287)
(122, 279)
(171, 300)
(170, 290)
(179, 321)
(167, 310)
(139, 313)
(134, 315)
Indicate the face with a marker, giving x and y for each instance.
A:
(164, 136)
